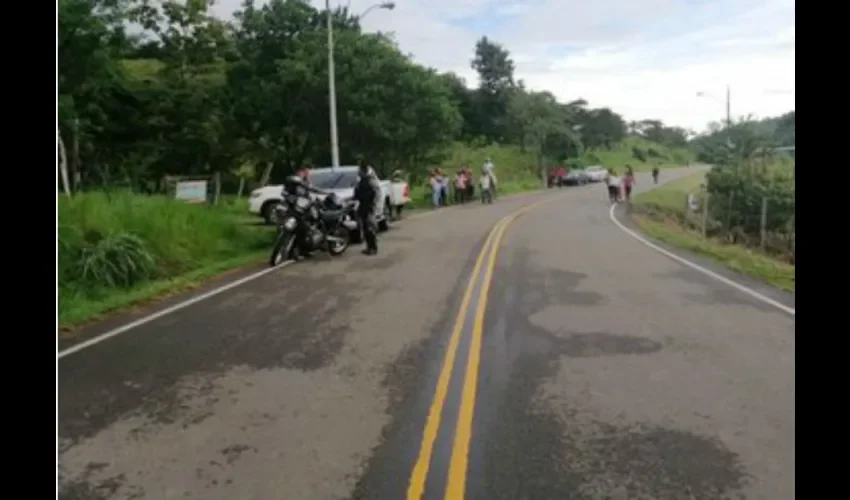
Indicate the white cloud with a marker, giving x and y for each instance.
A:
(642, 58)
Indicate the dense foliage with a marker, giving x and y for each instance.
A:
(751, 188)
(154, 88)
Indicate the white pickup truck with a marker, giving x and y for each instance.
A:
(340, 180)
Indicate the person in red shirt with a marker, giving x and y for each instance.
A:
(560, 173)
(460, 186)
(470, 186)
(628, 182)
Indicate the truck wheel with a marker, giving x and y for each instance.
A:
(384, 224)
(268, 211)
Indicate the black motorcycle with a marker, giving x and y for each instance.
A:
(306, 225)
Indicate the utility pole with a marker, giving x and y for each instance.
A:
(332, 76)
(332, 88)
(728, 106)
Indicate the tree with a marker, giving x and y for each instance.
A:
(656, 131)
(542, 121)
(601, 127)
(495, 84)
(90, 39)
(192, 94)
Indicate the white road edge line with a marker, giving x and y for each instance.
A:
(707, 272)
(176, 307)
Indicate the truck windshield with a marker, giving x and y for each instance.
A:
(329, 179)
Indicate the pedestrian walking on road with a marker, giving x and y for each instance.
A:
(367, 192)
(486, 188)
(489, 170)
(613, 181)
(628, 182)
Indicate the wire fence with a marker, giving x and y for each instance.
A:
(767, 223)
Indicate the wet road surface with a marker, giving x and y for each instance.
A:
(605, 370)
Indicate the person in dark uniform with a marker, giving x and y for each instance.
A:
(367, 192)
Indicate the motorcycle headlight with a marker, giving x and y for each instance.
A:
(302, 203)
(290, 224)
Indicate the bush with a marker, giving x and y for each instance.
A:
(117, 241)
(738, 192)
(116, 260)
(633, 151)
(654, 153)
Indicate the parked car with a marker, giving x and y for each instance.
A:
(575, 177)
(340, 180)
(595, 173)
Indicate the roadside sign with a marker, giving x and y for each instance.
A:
(192, 191)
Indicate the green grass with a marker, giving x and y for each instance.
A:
(671, 195)
(120, 249)
(657, 214)
(624, 153)
(741, 259)
(76, 309)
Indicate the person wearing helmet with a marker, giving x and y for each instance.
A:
(367, 192)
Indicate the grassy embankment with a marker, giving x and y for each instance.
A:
(123, 249)
(656, 213)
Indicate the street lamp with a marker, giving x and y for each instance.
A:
(332, 76)
(728, 103)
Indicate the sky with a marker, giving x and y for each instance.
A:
(644, 59)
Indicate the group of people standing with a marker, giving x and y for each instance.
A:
(462, 185)
(620, 187)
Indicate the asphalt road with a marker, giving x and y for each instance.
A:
(585, 366)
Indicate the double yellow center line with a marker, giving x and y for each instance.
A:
(456, 478)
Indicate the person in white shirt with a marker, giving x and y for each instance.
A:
(488, 169)
(613, 181)
(485, 188)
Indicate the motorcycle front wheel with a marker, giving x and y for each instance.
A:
(282, 250)
(341, 241)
